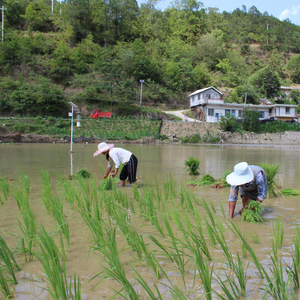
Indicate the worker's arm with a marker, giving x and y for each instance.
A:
(107, 172)
(115, 172)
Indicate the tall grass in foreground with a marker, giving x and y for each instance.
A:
(278, 232)
(4, 287)
(4, 185)
(28, 226)
(54, 266)
(58, 215)
(278, 287)
(7, 261)
(47, 191)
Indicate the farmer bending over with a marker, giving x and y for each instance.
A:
(250, 181)
(118, 156)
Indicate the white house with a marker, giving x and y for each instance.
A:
(211, 103)
(287, 89)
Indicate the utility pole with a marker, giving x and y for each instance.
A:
(3, 21)
(52, 6)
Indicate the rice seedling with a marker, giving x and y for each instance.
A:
(255, 238)
(4, 287)
(228, 294)
(47, 190)
(290, 192)
(8, 261)
(55, 269)
(115, 268)
(240, 274)
(58, 215)
(278, 287)
(252, 212)
(293, 273)
(148, 289)
(205, 274)
(192, 164)
(278, 232)
(4, 185)
(28, 227)
(236, 230)
(271, 171)
(296, 247)
(25, 184)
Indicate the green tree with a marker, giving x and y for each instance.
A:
(250, 120)
(267, 82)
(293, 67)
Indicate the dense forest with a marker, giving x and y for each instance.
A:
(95, 52)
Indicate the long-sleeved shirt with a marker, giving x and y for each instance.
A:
(118, 156)
(261, 188)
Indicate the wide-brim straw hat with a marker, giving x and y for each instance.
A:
(103, 147)
(242, 174)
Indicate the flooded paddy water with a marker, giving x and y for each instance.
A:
(174, 239)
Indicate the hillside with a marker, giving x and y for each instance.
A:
(95, 54)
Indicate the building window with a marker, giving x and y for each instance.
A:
(199, 96)
(216, 96)
(227, 112)
(262, 114)
(270, 110)
(233, 113)
(207, 96)
(210, 112)
(240, 113)
(287, 110)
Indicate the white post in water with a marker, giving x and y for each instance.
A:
(141, 81)
(2, 22)
(72, 115)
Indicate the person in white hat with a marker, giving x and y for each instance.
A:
(248, 180)
(117, 156)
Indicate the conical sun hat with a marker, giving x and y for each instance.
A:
(242, 174)
(103, 147)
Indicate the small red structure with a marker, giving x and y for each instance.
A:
(96, 114)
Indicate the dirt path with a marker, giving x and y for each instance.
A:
(179, 113)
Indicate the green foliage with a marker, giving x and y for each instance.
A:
(228, 123)
(250, 120)
(293, 67)
(267, 82)
(252, 212)
(192, 164)
(271, 171)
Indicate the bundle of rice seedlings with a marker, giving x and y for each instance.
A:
(83, 173)
(222, 181)
(272, 171)
(252, 212)
(192, 165)
(106, 184)
(290, 192)
(205, 180)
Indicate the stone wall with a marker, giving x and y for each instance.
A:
(182, 129)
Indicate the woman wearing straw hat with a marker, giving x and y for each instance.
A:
(248, 180)
(118, 156)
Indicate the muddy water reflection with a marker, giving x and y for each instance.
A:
(155, 162)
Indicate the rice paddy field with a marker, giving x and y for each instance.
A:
(160, 239)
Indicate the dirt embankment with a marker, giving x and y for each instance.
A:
(169, 128)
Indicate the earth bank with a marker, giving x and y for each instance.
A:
(181, 129)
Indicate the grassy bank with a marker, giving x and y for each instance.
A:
(127, 128)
